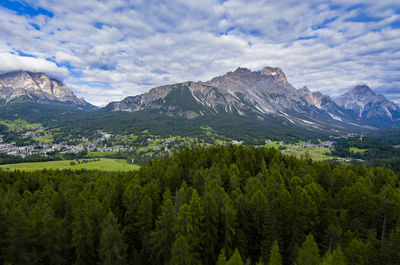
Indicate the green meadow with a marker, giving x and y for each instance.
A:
(105, 164)
(18, 124)
(315, 153)
(357, 150)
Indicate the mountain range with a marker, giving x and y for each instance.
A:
(254, 102)
(265, 94)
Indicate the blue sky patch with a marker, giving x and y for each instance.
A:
(395, 24)
(363, 17)
(22, 8)
(354, 7)
(325, 23)
(98, 25)
(306, 37)
(35, 26)
(21, 53)
(227, 31)
(256, 33)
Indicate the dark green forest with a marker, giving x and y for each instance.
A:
(218, 205)
(375, 149)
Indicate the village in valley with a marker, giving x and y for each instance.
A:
(25, 140)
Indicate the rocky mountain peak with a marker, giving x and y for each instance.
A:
(37, 87)
(304, 88)
(367, 104)
(356, 98)
(239, 73)
(275, 72)
(362, 90)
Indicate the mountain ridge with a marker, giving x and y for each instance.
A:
(264, 100)
(258, 94)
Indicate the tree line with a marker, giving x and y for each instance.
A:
(219, 205)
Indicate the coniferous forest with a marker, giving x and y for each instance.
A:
(218, 205)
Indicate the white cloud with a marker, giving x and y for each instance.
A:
(63, 57)
(12, 62)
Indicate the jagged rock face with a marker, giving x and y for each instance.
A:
(188, 100)
(243, 92)
(356, 98)
(367, 105)
(38, 87)
(264, 92)
(276, 73)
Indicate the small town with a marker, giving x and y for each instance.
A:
(107, 142)
(44, 149)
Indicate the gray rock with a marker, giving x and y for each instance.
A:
(37, 87)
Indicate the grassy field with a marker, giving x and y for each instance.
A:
(44, 139)
(357, 150)
(18, 124)
(105, 164)
(315, 153)
(101, 154)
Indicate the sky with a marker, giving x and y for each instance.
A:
(107, 50)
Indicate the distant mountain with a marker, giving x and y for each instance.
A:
(369, 107)
(240, 92)
(264, 95)
(240, 104)
(22, 86)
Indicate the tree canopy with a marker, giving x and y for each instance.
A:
(218, 205)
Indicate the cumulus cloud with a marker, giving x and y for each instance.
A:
(114, 49)
(12, 62)
(63, 57)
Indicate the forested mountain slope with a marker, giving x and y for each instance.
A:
(230, 204)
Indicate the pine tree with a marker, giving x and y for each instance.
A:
(54, 234)
(19, 238)
(112, 248)
(338, 257)
(131, 199)
(163, 236)
(181, 253)
(308, 253)
(228, 216)
(3, 229)
(275, 257)
(236, 259)
(88, 214)
(144, 224)
(210, 227)
(335, 258)
(357, 252)
(81, 237)
(221, 258)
